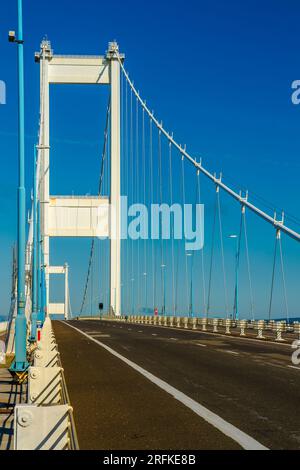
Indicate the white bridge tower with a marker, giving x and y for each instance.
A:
(79, 216)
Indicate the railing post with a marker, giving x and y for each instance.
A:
(227, 326)
(204, 324)
(260, 327)
(243, 326)
(215, 325)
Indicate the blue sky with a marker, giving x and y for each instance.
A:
(218, 73)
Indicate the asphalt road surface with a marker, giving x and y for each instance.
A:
(250, 384)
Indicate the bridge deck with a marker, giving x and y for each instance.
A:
(251, 384)
(116, 408)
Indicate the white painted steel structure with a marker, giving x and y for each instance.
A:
(78, 216)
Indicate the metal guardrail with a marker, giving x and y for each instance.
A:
(262, 330)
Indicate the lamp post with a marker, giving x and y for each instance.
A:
(236, 292)
(20, 363)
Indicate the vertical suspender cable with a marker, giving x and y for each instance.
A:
(152, 202)
(137, 186)
(248, 263)
(185, 257)
(172, 234)
(212, 257)
(202, 251)
(163, 267)
(222, 251)
(145, 273)
(132, 197)
(273, 273)
(283, 279)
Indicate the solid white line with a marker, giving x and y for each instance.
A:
(243, 439)
(294, 367)
(232, 352)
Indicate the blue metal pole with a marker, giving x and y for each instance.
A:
(34, 256)
(20, 363)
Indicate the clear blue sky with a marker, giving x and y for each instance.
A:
(218, 73)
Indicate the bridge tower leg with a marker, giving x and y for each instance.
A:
(44, 147)
(115, 196)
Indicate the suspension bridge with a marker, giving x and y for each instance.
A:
(184, 335)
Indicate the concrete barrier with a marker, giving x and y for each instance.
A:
(280, 328)
(243, 325)
(204, 323)
(215, 325)
(228, 324)
(297, 329)
(260, 328)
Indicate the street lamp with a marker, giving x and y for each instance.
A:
(237, 262)
(20, 363)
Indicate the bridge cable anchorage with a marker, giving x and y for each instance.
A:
(101, 181)
(236, 196)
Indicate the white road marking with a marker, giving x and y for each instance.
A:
(154, 334)
(101, 336)
(243, 439)
(201, 345)
(140, 332)
(294, 367)
(173, 339)
(233, 353)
